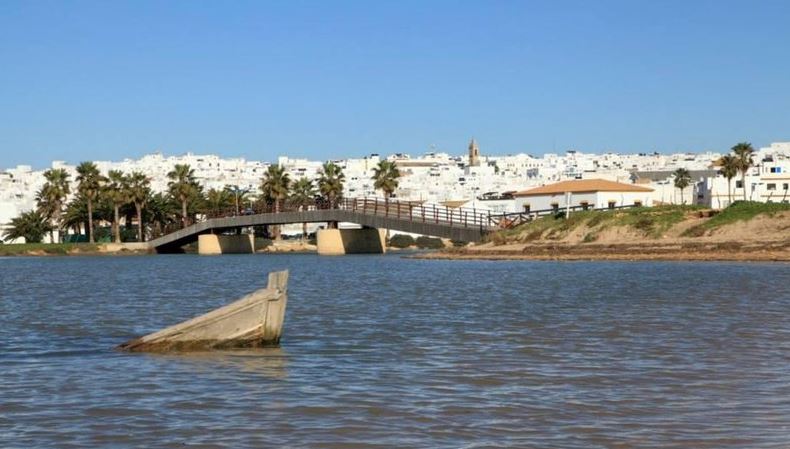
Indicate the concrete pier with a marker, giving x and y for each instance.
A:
(212, 244)
(336, 242)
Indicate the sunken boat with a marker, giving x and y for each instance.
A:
(255, 320)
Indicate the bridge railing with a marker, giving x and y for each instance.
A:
(418, 212)
(404, 210)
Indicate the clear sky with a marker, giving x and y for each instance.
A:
(328, 79)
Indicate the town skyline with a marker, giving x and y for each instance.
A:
(272, 157)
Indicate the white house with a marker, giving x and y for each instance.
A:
(591, 193)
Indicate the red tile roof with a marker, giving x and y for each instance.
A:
(583, 185)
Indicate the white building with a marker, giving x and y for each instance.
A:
(585, 193)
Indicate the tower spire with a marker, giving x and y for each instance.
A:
(474, 154)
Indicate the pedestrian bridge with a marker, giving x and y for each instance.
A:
(468, 225)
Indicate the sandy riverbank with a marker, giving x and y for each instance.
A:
(747, 232)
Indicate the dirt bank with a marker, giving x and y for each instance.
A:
(744, 233)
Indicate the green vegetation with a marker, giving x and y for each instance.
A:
(681, 181)
(303, 195)
(90, 184)
(652, 222)
(385, 178)
(21, 249)
(401, 241)
(744, 161)
(31, 225)
(424, 242)
(737, 211)
(275, 187)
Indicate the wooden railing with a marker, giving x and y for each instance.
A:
(403, 210)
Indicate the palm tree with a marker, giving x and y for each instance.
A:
(274, 187)
(239, 195)
(184, 187)
(48, 206)
(76, 215)
(52, 195)
(90, 185)
(302, 196)
(31, 225)
(729, 169)
(218, 200)
(385, 178)
(139, 191)
(117, 192)
(330, 183)
(161, 212)
(743, 153)
(682, 180)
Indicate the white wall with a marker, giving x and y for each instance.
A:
(599, 200)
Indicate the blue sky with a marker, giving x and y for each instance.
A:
(320, 79)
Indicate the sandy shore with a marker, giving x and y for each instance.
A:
(776, 251)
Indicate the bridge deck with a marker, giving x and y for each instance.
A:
(457, 224)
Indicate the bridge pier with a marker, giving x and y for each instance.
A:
(212, 244)
(336, 242)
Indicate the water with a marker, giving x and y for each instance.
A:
(387, 352)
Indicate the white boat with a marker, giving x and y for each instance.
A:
(255, 320)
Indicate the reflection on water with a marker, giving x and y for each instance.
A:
(380, 351)
(265, 362)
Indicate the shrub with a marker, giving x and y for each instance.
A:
(429, 243)
(590, 237)
(459, 243)
(401, 241)
(261, 243)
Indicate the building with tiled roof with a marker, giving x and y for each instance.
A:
(585, 193)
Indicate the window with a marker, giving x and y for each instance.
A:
(776, 169)
(738, 184)
(770, 186)
(526, 208)
(611, 204)
(785, 186)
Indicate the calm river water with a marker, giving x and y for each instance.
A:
(381, 351)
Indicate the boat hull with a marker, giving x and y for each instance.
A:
(256, 320)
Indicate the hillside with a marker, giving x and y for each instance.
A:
(743, 231)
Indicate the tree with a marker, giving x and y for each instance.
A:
(302, 196)
(385, 178)
(162, 212)
(682, 180)
(76, 214)
(139, 191)
(31, 225)
(330, 183)
(239, 196)
(729, 169)
(184, 187)
(743, 153)
(218, 200)
(50, 199)
(90, 183)
(117, 192)
(274, 187)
